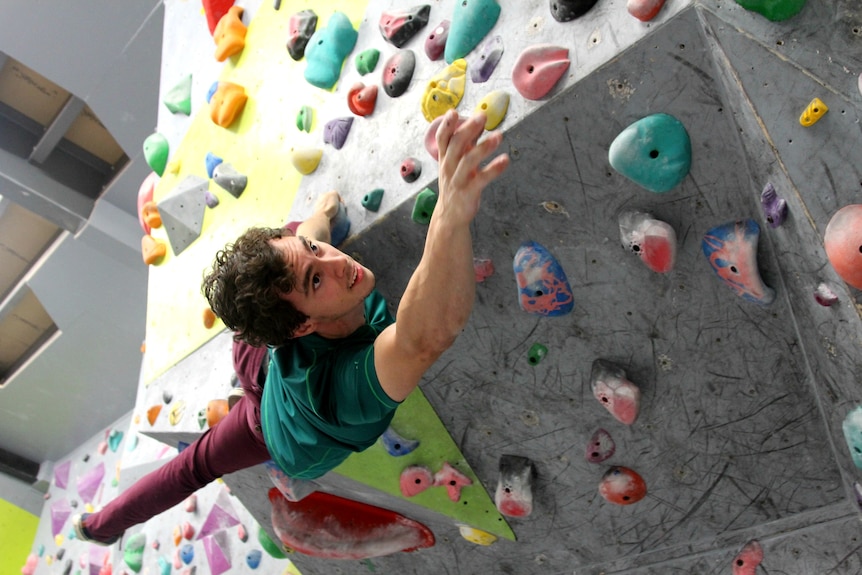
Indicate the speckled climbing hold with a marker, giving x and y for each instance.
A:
(367, 60)
(600, 447)
(300, 29)
(399, 26)
(494, 105)
(152, 250)
(410, 170)
(133, 552)
(305, 160)
(396, 445)
(748, 558)
(211, 161)
(227, 103)
(774, 206)
(415, 479)
(843, 243)
(652, 240)
(453, 480)
(622, 486)
(825, 296)
(483, 60)
(483, 268)
(339, 226)
(398, 72)
(538, 69)
(179, 98)
(229, 34)
(614, 391)
(543, 288)
(371, 201)
(156, 149)
(536, 353)
(477, 536)
(210, 199)
(445, 90)
(150, 215)
(423, 209)
(568, 10)
(178, 409)
(327, 49)
(226, 176)
(644, 10)
(471, 22)
(813, 112)
(253, 557)
(187, 553)
(731, 250)
(775, 10)
(361, 99)
(654, 152)
(435, 42)
(304, 118)
(216, 411)
(514, 494)
(335, 131)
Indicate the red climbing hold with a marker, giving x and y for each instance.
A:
(214, 10)
(361, 99)
(622, 486)
(453, 480)
(514, 495)
(748, 559)
(614, 391)
(843, 242)
(644, 10)
(415, 479)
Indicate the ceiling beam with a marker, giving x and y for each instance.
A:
(58, 128)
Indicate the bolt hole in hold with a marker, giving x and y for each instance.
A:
(733, 269)
(653, 154)
(530, 70)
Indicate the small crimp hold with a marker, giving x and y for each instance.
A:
(494, 105)
(210, 199)
(483, 268)
(396, 445)
(774, 206)
(435, 43)
(600, 447)
(304, 118)
(813, 112)
(453, 480)
(415, 479)
(825, 296)
(366, 61)
(514, 495)
(211, 161)
(476, 536)
(372, 200)
(410, 170)
(746, 562)
(614, 391)
(536, 354)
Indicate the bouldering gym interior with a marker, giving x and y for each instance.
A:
(662, 371)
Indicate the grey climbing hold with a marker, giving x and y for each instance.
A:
(226, 176)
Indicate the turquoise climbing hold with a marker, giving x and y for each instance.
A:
(471, 22)
(371, 201)
(424, 206)
(156, 152)
(775, 10)
(654, 152)
(327, 50)
(852, 427)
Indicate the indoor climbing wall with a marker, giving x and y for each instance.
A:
(662, 357)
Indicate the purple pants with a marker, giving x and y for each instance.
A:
(235, 443)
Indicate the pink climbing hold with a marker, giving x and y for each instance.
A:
(514, 495)
(361, 99)
(415, 479)
(644, 10)
(483, 269)
(825, 296)
(431, 136)
(600, 447)
(187, 530)
(622, 486)
(654, 241)
(453, 480)
(538, 69)
(617, 394)
(145, 194)
(843, 243)
(746, 562)
(191, 503)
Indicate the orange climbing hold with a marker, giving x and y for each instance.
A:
(216, 411)
(152, 250)
(214, 10)
(153, 413)
(209, 318)
(229, 34)
(150, 214)
(227, 102)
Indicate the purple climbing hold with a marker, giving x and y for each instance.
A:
(542, 284)
(774, 206)
(566, 10)
(435, 43)
(397, 72)
(300, 29)
(600, 447)
(335, 131)
(483, 60)
(212, 201)
(732, 252)
(411, 169)
(399, 26)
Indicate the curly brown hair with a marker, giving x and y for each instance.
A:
(245, 286)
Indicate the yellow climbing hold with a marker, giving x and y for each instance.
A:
(89, 508)
(445, 90)
(58, 539)
(476, 536)
(815, 110)
(305, 160)
(176, 413)
(495, 105)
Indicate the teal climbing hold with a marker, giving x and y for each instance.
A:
(424, 206)
(367, 61)
(852, 427)
(471, 22)
(304, 117)
(327, 49)
(114, 439)
(654, 152)
(775, 10)
(156, 149)
(179, 98)
(371, 200)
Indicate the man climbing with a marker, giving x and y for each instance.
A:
(338, 364)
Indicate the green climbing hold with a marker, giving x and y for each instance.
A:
(654, 152)
(133, 555)
(367, 61)
(537, 353)
(371, 200)
(303, 118)
(156, 152)
(775, 10)
(269, 545)
(424, 206)
(179, 98)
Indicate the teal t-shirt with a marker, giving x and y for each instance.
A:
(322, 400)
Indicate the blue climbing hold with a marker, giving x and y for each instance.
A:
(340, 226)
(187, 553)
(327, 49)
(396, 445)
(654, 152)
(471, 21)
(211, 162)
(252, 558)
(731, 250)
(543, 288)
